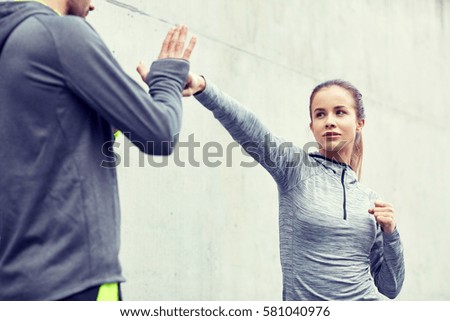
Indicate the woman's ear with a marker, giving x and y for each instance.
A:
(310, 126)
(360, 125)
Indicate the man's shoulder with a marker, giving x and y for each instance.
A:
(64, 24)
(56, 27)
(70, 33)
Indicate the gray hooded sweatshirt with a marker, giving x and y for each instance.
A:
(61, 91)
(331, 248)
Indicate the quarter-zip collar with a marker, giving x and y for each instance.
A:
(344, 172)
(318, 155)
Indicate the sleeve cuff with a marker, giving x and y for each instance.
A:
(206, 97)
(393, 237)
(174, 69)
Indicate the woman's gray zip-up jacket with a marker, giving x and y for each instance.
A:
(331, 248)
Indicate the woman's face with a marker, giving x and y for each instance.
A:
(334, 122)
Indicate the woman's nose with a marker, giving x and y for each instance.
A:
(330, 123)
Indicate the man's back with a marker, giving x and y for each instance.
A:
(60, 89)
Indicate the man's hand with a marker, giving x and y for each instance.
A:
(384, 215)
(172, 47)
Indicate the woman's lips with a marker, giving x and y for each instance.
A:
(331, 135)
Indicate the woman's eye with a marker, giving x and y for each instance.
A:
(340, 112)
(320, 115)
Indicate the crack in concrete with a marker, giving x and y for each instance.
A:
(135, 10)
(225, 44)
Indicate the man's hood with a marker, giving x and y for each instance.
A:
(14, 13)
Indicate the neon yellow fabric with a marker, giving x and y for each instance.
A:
(108, 292)
(116, 134)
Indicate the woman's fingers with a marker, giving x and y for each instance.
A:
(194, 85)
(384, 215)
(382, 204)
(381, 207)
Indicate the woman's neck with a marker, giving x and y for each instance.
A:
(342, 156)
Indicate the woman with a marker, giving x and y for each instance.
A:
(337, 241)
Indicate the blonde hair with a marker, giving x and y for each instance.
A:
(358, 146)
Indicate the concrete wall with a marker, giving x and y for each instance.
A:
(211, 233)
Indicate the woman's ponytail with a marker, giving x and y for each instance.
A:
(357, 155)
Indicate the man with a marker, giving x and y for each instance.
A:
(61, 91)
